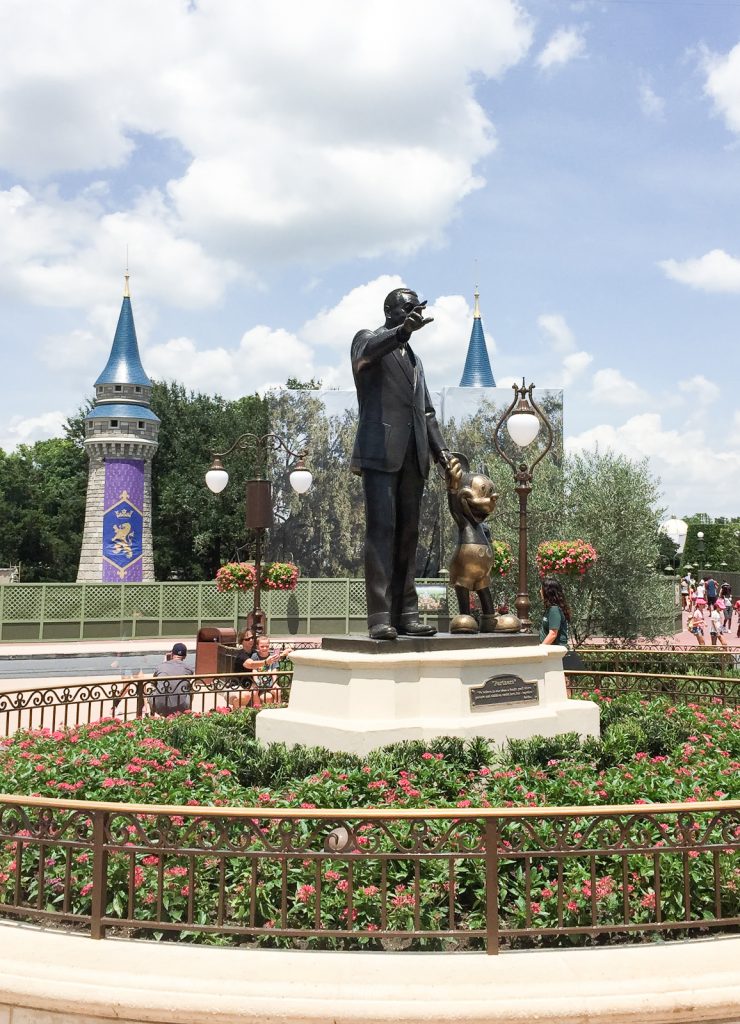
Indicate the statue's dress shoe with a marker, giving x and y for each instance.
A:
(415, 629)
(383, 631)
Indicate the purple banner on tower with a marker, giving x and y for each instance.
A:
(123, 521)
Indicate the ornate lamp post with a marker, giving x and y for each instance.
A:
(259, 511)
(523, 419)
(700, 544)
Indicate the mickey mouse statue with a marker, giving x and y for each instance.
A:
(472, 499)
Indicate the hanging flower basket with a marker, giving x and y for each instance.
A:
(565, 557)
(501, 558)
(241, 576)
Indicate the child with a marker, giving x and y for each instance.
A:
(696, 626)
(715, 627)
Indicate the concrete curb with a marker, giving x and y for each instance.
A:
(50, 977)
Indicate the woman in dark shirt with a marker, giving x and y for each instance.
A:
(242, 662)
(554, 625)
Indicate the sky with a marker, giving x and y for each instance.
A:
(274, 169)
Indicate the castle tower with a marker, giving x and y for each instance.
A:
(477, 372)
(121, 440)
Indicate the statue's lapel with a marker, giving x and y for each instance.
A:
(406, 364)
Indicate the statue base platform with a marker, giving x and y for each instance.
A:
(355, 694)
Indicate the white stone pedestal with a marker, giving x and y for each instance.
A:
(359, 699)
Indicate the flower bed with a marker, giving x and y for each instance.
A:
(650, 751)
(176, 872)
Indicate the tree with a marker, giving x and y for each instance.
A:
(612, 502)
(321, 530)
(194, 530)
(42, 509)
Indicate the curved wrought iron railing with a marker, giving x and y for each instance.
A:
(462, 878)
(65, 705)
(692, 688)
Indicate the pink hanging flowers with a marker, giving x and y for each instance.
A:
(565, 557)
(242, 576)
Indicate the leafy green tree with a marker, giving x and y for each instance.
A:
(42, 509)
(323, 530)
(195, 530)
(613, 503)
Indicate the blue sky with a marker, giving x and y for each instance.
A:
(275, 169)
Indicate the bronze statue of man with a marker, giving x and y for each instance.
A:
(397, 438)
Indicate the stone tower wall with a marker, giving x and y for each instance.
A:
(99, 450)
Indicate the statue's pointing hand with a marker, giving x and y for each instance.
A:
(415, 319)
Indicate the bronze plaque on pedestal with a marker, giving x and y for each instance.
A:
(504, 690)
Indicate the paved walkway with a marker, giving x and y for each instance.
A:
(686, 639)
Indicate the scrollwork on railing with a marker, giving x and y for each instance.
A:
(374, 875)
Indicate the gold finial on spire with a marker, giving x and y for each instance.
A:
(476, 307)
(126, 292)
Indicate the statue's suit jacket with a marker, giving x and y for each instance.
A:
(393, 401)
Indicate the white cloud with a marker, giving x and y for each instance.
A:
(443, 344)
(611, 387)
(361, 307)
(560, 338)
(557, 331)
(716, 271)
(574, 365)
(722, 85)
(33, 428)
(263, 358)
(687, 462)
(699, 391)
(303, 137)
(652, 105)
(266, 356)
(562, 47)
(59, 252)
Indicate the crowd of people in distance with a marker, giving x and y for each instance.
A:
(256, 661)
(708, 603)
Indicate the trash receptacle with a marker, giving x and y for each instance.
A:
(207, 646)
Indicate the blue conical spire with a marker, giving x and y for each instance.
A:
(477, 372)
(124, 364)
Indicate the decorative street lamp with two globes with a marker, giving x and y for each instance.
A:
(259, 508)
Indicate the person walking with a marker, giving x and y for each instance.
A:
(685, 582)
(725, 592)
(700, 595)
(715, 627)
(554, 625)
(696, 626)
